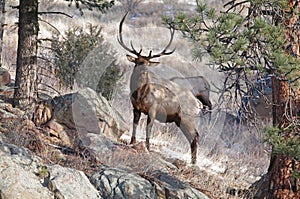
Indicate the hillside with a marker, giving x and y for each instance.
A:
(231, 156)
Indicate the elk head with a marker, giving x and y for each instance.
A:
(140, 59)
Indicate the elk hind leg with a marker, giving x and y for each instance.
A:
(136, 119)
(191, 134)
(194, 147)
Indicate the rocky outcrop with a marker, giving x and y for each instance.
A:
(92, 111)
(24, 175)
(18, 174)
(85, 111)
(133, 172)
(116, 183)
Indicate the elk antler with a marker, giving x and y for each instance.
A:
(133, 51)
(164, 51)
(120, 40)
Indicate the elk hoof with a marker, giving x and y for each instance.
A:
(133, 140)
(148, 144)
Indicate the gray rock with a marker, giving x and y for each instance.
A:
(23, 176)
(69, 183)
(85, 111)
(17, 174)
(168, 186)
(92, 112)
(116, 183)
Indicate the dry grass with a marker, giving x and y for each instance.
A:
(234, 159)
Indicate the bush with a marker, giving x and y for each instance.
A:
(83, 58)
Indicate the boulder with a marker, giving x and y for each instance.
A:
(18, 174)
(118, 183)
(85, 111)
(23, 175)
(168, 186)
(92, 112)
(67, 183)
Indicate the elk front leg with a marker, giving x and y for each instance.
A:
(136, 119)
(150, 122)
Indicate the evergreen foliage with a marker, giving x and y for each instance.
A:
(287, 145)
(247, 37)
(85, 59)
(101, 5)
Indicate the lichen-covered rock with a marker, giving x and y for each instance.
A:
(18, 174)
(23, 176)
(118, 183)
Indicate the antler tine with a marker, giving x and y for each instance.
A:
(134, 48)
(172, 31)
(120, 39)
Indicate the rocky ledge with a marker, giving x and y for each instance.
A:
(52, 158)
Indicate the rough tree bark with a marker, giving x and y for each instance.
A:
(282, 181)
(25, 94)
(2, 24)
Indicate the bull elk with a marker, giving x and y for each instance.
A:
(160, 98)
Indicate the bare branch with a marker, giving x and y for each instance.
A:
(56, 13)
(51, 26)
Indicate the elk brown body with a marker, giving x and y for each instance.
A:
(198, 85)
(160, 98)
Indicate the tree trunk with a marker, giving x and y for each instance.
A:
(25, 94)
(2, 24)
(282, 181)
(293, 30)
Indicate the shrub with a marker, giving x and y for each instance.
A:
(86, 59)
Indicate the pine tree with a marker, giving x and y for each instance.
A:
(263, 37)
(25, 95)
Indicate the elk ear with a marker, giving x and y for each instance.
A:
(154, 63)
(131, 58)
